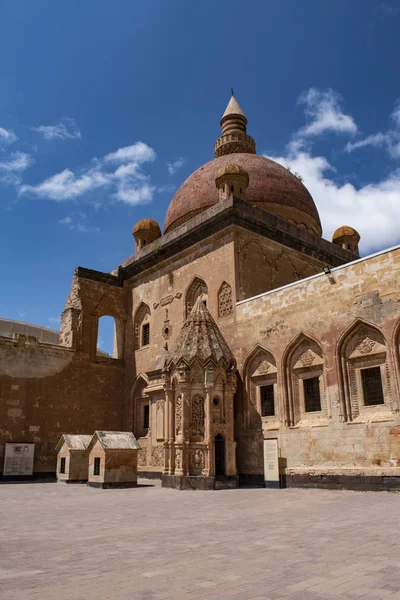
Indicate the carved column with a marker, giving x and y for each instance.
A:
(167, 443)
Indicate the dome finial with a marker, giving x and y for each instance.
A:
(234, 136)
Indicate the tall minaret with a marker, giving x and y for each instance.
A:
(234, 137)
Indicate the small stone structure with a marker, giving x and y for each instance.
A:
(113, 459)
(73, 458)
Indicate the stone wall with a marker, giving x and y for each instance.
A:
(47, 390)
(331, 326)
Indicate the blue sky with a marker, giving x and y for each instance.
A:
(106, 107)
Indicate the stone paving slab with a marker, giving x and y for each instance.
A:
(62, 542)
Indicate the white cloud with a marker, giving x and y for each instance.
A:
(66, 221)
(324, 113)
(66, 129)
(175, 165)
(137, 153)
(128, 182)
(7, 136)
(373, 210)
(66, 185)
(17, 161)
(376, 139)
(135, 195)
(389, 141)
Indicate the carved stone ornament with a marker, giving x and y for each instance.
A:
(157, 456)
(262, 368)
(178, 415)
(159, 405)
(225, 302)
(166, 330)
(142, 457)
(197, 424)
(178, 458)
(197, 459)
(365, 345)
(307, 358)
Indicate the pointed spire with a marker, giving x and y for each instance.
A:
(233, 108)
(234, 136)
(200, 339)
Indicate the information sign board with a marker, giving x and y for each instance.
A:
(271, 463)
(18, 459)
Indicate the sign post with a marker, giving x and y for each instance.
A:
(271, 463)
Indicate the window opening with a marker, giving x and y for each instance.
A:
(146, 334)
(372, 386)
(231, 188)
(96, 468)
(146, 416)
(267, 401)
(312, 396)
(216, 401)
(62, 465)
(105, 337)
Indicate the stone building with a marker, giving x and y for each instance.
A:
(112, 459)
(241, 302)
(73, 458)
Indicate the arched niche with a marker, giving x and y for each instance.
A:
(305, 385)
(364, 372)
(198, 288)
(225, 300)
(261, 384)
(141, 407)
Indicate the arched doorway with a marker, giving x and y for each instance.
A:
(219, 445)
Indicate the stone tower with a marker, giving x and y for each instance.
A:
(234, 136)
(199, 383)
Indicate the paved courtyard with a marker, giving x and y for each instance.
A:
(72, 542)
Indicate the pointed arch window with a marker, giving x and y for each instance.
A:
(142, 325)
(262, 392)
(305, 383)
(366, 386)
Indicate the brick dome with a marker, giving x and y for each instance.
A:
(271, 187)
(346, 230)
(147, 225)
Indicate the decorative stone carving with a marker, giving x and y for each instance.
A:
(197, 459)
(196, 374)
(307, 358)
(157, 456)
(365, 345)
(178, 415)
(263, 368)
(225, 303)
(197, 421)
(142, 457)
(178, 458)
(160, 419)
(166, 330)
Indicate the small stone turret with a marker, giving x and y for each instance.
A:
(145, 232)
(231, 180)
(234, 136)
(346, 237)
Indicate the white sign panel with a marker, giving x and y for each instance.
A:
(271, 463)
(18, 459)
